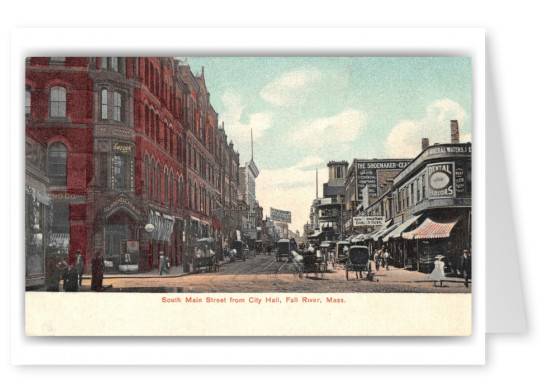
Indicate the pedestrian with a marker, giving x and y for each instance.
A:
(79, 265)
(377, 259)
(386, 258)
(438, 271)
(52, 284)
(465, 266)
(70, 279)
(97, 272)
(163, 264)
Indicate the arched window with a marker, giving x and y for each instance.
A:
(58, 102)
(158, 183)
(147, 130)
(166, 190)
(152, 180)
(57, 164)
(104, 106)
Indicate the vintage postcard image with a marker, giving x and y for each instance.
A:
(248, 196)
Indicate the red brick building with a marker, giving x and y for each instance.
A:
(127, 141)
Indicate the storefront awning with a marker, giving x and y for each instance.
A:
(431, 230)
(314, 236)
(380, 232)
(401, 228)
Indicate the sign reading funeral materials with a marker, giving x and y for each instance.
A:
(282, 216)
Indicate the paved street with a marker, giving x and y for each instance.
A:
(264, 274)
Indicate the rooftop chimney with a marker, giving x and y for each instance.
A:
(455, 131)
(424, 143)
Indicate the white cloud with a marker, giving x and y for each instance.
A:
(333, 134)
(291, 188)
(237, 127)
(291, 88)
(404, 139)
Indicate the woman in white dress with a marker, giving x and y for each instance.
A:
(438, 272)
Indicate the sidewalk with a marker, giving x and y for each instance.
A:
(175, 271)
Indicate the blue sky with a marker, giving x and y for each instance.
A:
(305, 111)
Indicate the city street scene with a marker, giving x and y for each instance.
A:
(248, 174)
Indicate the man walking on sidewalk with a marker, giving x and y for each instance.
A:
(163, 264)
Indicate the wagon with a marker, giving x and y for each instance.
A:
(358, 261)
(205, 256)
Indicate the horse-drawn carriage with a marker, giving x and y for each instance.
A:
(238, 250)
(205, 256)
(358, 261)
(341, 252)
(311, 260)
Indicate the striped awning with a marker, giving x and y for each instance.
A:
(431, 230)
(381, 231)
(401, 228)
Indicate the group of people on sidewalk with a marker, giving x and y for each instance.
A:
(72, 275)
(464, 268)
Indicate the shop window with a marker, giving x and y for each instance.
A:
(58, 102)
(57, 164)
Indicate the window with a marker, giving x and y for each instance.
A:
(147, 128)
(158, 179)
(115, 64)
(104, 62)
(166, 192)
(423, 184)
(146, 176)
(58, 102)
(120, 169)
(117, 107)
(104, 114)
(57, 60)
(57, 164)
(27, 101)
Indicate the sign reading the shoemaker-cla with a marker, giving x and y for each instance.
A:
(282, 216)
(369, 174)
(441, 180)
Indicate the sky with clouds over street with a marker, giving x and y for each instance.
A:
(306, 111)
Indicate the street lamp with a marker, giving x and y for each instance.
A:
(149, 228)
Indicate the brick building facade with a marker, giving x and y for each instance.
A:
(128, 141)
